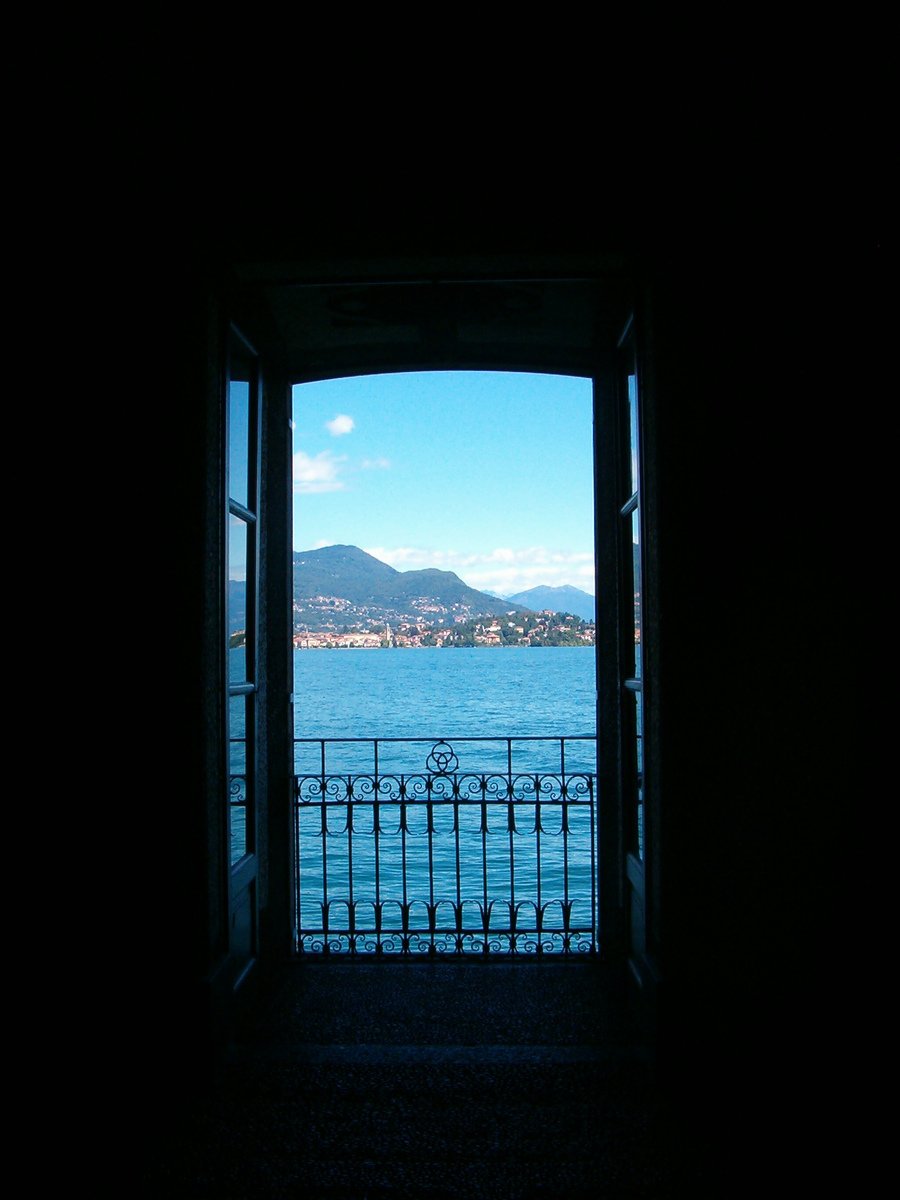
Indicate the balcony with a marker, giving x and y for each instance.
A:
(420, 847)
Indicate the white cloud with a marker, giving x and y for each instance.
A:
(340, 425)
(503, 570)
(375, 464)
(317, 473)
(510, 580)
(398, 556)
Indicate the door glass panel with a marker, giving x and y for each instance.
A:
(636, 584)
(632, 711)
(633, 423)
(639, 775)
(634, 747)
(240, 712)
(240, 601)
(238, 535)
(239, 435)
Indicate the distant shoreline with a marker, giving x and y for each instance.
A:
(507, 646)
(495, 646)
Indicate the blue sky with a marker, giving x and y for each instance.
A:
(483, 473)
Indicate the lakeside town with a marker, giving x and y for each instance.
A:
(514, 628)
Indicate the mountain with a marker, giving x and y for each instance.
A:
(343, 585)
(237, 605)
(565, 599)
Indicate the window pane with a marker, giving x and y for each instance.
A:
(634, 749)
(239, 716)
(238, 538)
(636, 579)
(238, 439)
(633, 419)
(639, 777)
(237, 664)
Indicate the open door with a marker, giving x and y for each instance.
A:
(631, 691)
(620, 662)
(631, 697)
(242, 654)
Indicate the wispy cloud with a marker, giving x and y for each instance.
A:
(317, 473)
(504, 570)
(375, 464)
(340, 425)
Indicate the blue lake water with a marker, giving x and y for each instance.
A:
(432, 827)
(444, 789)
(435, 694)
(466, 692)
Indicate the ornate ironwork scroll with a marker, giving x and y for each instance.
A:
(437, 860)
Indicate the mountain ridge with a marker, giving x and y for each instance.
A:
(562, 598)
(342, 585)
(365, 578)
(346, 582)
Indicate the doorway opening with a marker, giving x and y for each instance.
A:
(444, 648)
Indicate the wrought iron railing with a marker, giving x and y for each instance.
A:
(402, 850)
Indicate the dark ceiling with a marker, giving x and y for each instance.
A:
(364, 307)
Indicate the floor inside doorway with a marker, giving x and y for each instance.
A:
(366, 1080)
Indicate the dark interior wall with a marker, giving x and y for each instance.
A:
(753, 719)
(750, 630)
(175, 872)
(761, 522)
(183, 902)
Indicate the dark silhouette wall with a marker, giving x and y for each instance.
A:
(753, 712)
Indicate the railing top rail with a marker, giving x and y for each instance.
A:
(410, 859)
(500, 737)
